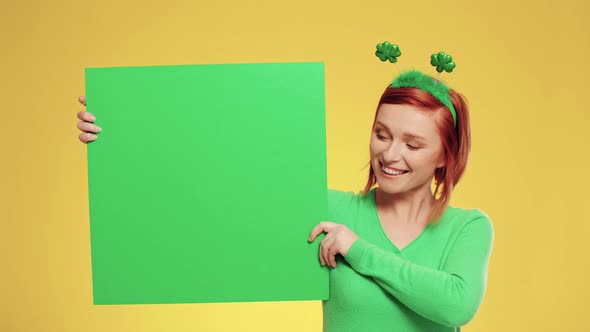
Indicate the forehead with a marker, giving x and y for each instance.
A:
(407, 120)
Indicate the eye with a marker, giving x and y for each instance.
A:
(411, 147)
(381, 137)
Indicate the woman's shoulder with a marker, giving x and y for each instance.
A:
(338, 197)
(462, 218)
(467, 213)
(346, 202)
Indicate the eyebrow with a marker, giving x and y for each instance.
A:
(405, 135)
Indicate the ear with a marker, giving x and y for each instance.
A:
(441, 163)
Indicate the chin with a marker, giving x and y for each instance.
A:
(389, 188)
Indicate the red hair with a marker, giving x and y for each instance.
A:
(456, 142)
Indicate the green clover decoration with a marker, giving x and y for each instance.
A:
(442, 61)
(386, 51)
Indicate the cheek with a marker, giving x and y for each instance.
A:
(377, 145)
(425, 163)
(373, 147)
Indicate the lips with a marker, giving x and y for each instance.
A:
(395, 169)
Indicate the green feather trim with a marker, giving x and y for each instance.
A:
(417, 79)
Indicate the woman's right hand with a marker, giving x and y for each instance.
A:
(86, 125)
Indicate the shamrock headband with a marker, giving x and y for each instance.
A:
(416, 79)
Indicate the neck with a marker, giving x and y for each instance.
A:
(409, 207)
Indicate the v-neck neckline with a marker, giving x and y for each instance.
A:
(377, 219)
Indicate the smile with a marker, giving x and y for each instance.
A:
(392, 172)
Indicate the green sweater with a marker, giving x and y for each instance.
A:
(435, 283)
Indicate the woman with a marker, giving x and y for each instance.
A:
(400, 258)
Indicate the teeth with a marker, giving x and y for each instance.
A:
(390, 171)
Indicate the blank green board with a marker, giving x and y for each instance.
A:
(206, 181)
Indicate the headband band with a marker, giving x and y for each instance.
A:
(416, 79)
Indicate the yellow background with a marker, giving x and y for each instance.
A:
(523, 65)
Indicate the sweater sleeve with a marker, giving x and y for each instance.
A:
(450, 296)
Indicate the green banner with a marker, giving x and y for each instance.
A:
(205, 183)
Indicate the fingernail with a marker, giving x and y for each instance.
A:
(99, 129)
(93, 119)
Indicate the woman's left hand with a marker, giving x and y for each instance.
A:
(338, 240)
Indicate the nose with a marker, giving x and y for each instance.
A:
(393, 152)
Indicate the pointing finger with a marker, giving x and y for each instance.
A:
(317, 230)
(322, 227)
